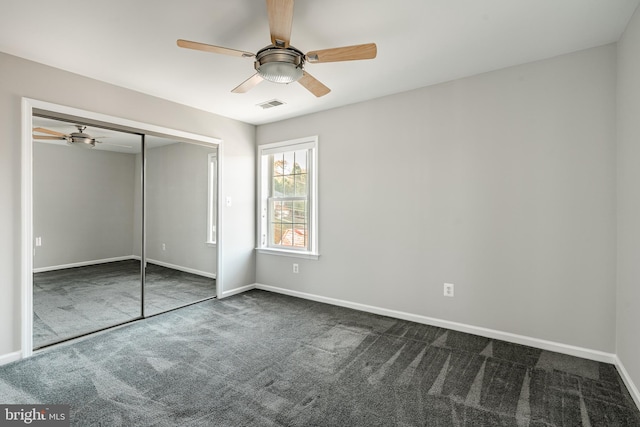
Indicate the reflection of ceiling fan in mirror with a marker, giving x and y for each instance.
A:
(282, 63)
(78, 139)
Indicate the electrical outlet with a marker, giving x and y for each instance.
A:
(295, 268)
(448, 289)
(164, 247)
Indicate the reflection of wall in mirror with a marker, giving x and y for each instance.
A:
(176, 205)
(83, 205)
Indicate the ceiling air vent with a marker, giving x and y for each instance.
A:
(271, 104)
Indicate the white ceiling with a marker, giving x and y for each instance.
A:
(420, 43)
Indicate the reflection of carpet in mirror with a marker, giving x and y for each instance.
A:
(78, 300)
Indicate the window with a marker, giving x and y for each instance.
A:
(212, 199)
(287, 173)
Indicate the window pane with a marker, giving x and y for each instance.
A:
(288, 162)
(287, 212)
(300, 212)
(287, 235)
(277, 190)
(301, 185)
(289, 185)
(299, 233)
(276, 211)
(300, 165)
(278, 164)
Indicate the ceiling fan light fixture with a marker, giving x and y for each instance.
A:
(280, 72)
(81, 139)
(81, 142)
(280, 65)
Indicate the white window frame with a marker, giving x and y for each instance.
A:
(212, 217)
(264, 181)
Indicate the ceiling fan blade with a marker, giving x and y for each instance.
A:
(50, 132)
(213, 49)
(280, 19)
(58, 138)
(248, 84)
(313, 85)
(347, 53)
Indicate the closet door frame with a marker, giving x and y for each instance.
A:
(29, 106)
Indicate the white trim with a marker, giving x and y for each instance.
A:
(291, 145)
(84, 263)
(283, 252)
(571, 350)
(219, 229)
(633, 390)
(26, 260)
(26, 333)
(180, 268)
(10, 357)
(262, 194)
(238, 290)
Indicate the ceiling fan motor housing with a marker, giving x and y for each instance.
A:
(82, 139)
(280, 65)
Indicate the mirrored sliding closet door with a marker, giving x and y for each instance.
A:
(87, 188)
(180, 218)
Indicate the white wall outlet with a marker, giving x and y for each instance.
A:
(164, 247)
(295, 268)
(448, 289)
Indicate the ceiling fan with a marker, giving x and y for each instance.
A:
(280, 62)
(79, 139)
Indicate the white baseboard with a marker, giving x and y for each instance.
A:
(633, 390)
(10, 357)
(585, 353)
(181, 268)
(237, 290)
(83, 263)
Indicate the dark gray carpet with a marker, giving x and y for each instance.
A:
(263, 359)
(74, 301)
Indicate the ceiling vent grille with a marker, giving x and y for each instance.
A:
(271, 104)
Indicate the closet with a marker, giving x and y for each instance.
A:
(124, 225)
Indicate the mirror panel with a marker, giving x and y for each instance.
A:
(86, 272)
(180, 182)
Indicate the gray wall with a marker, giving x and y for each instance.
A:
(82, 204)
(628, 309)
(502, 183)
(177, 195)
(25, 78)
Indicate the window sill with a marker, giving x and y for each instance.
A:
(292, 254)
